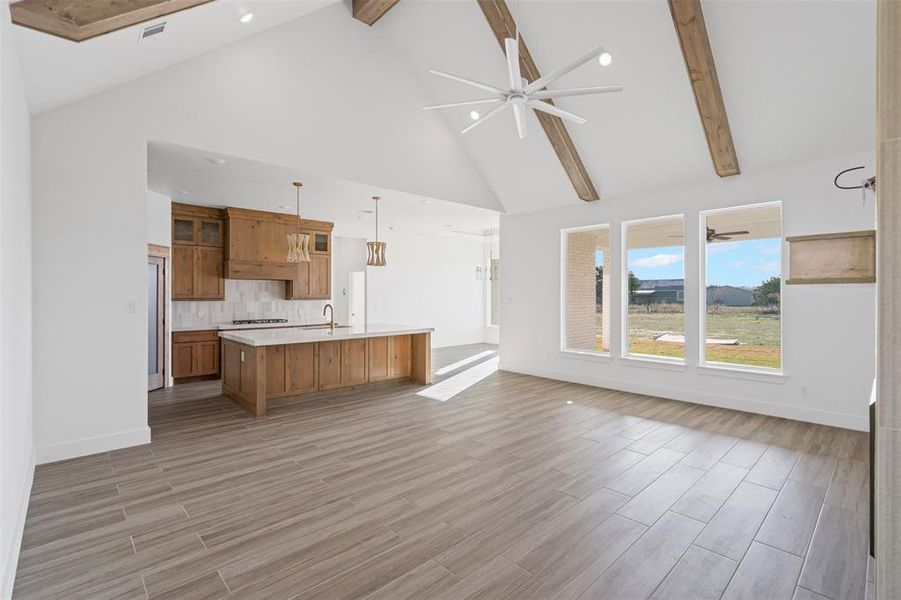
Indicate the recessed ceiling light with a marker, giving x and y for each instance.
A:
(247, 17)
(474, 115)
(216, 161)
(569, 401)
(182, 192)
(605, 59)
(425, 201)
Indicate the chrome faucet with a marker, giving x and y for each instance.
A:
(331, 309)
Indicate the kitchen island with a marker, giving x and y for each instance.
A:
(262, 364)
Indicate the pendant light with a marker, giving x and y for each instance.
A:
(376, 248)
(298, 243)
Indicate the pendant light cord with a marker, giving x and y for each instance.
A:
(376, 198)
(298, 185)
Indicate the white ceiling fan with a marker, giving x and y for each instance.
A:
(520, 93)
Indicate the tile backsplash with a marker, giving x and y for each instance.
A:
(246, 300)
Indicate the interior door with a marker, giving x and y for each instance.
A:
(156, 322)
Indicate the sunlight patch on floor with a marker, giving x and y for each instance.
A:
(450, 387)
(464, 362)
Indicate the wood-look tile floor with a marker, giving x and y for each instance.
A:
(517, 487)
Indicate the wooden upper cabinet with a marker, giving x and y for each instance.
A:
(209, 281)
(257, 248)
(320, 276)
(320, 242)
(182, 272)
(198, 238)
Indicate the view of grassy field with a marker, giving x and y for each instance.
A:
(758, 335)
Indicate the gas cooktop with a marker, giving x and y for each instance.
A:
(257, 321)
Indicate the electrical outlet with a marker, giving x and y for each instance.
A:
(131, 307)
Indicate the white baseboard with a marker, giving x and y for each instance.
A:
(821, 417)
(48, 454)
(8, 577)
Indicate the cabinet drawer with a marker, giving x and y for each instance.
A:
(180, 337)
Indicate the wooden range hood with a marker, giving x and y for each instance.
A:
(257, 247)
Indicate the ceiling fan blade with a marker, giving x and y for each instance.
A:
(511, 47)
(475, 84)
(557, 112)
(555, 75)
(490, 114)
(582, 91)
(520, 115)
(464, 103)
(734, 233)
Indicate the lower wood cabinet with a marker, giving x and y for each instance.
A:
(195, 353)
(389, 357)
(343, 363)
(292, 369)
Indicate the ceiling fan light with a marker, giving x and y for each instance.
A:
(605, 59)
(247, 17)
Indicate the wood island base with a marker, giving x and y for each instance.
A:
(251, 375)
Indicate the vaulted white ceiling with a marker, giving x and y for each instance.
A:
(59, 71)
(798, 80)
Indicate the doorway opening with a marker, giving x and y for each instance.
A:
(157, 257)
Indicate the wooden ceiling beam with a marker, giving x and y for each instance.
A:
(691, 30)
(370, 11)
(80, 20)
(502, 24)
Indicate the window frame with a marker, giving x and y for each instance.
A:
(713, 366)
(625, 345)
(564, 232)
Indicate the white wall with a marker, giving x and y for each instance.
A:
(90, 182)
(348, 255)
(429, 281)
(16, 412)
(828, 330)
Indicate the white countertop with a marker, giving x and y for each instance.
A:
(275, 337)
(230, 326)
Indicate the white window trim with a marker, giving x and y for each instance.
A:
(744, 371)
(562, 279)
(595, 356)
(625, 354)
(654, 362)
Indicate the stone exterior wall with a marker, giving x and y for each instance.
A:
(581, 315)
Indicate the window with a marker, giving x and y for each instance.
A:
(586, 289)
(742, 317)
(654, 288)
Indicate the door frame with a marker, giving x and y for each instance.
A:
(160, 255)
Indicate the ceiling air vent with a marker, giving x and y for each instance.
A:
(151, 30)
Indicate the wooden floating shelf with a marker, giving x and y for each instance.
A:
(848, 257)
